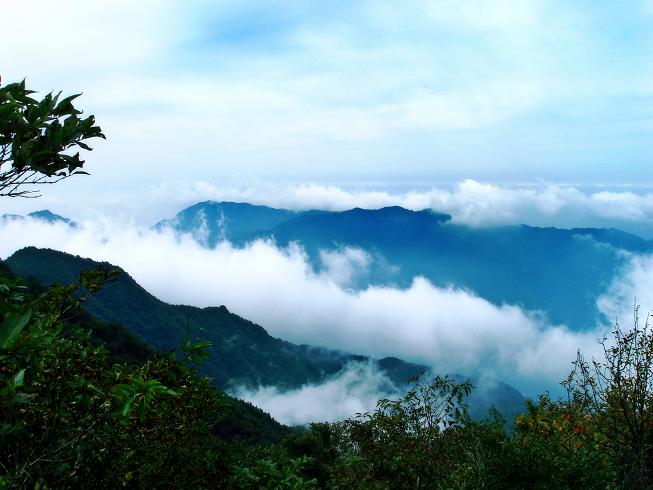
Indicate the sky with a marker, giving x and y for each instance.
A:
(358, 95)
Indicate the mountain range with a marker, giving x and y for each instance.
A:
(242, 353)
(556, 272)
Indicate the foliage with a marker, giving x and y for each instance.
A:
(272, 474)
(404, 443)
(559, 449)
(38, 138)
(426, 439)
(614, 394)
(70, 419)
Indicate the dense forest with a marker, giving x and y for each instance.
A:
(86, 404)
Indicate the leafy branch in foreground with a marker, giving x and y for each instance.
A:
(38, 139)
(615, 396)
(406, 442)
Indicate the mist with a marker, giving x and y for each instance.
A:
(449, 329)
(354, 390)
(469, 202)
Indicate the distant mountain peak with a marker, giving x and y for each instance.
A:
(211, 222)
(43, 215)
(48, 215)
(228, 204)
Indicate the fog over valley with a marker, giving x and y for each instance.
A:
(327, 301)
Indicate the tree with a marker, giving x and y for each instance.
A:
(405, 443)
(38, 139)
(615, 396)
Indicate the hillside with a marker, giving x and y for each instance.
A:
(560, 272)
(239, 420)
(210, 222)
(242, 353)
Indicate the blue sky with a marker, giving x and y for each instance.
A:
(347, 93)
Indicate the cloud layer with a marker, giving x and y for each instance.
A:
(469, 202)
(354, 390)
(633, 286)
(449, 329)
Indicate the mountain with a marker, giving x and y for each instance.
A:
(242, 353)
(43, 215)
(239, 420)
(558, 272)
(210, 222)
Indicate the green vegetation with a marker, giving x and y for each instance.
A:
(69, 417)
(37, 139)
(600, 437)
(74, 414)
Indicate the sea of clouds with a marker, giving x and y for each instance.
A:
(448, 329)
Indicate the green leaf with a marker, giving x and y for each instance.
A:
(11, 328)
(126, 408)
(18, 379)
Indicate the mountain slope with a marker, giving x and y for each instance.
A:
(242, 353)
(238, 420)
(560, 272)
(209, 221)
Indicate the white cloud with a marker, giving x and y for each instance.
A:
(449, 329)
(349, 87)
(632, 286)
(344, 266)
(353, 390)
(72, 41)
(470, 202)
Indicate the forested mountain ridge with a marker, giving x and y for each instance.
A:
(242, 353)
(560, 272)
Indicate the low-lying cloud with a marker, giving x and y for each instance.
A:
(450, 329)
(469, 202)
(633, 286)
(354, 390)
